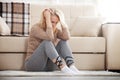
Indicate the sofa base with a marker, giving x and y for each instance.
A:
(12, 61)
(90, 61)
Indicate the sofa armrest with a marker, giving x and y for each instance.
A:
(110, 29)
(111, 32)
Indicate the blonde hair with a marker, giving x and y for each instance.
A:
(56, 12)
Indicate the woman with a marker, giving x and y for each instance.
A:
(48, 46)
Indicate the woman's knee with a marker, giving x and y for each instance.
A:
(63, 42)
(46, 41)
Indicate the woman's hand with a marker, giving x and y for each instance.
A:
(49, 29)
(62, 19)
(47, 14)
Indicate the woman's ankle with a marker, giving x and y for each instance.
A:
(62, 66)
(59, 62)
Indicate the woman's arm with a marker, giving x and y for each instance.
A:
(38, 32)
(64, 33)
(49, 29)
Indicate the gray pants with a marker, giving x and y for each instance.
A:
(41, 58)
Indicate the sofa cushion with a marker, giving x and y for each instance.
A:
(87, 44)
(13, 44)
(4, 28)
(86, 26)
(77, 44)
(16, 16)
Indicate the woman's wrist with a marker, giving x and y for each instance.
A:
(48, 23)
(64, 25)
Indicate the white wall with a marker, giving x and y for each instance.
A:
(106, 8)
(110, 10)
(54, 1)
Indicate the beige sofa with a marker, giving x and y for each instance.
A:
(87, 43)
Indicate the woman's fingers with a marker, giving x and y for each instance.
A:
(51, 11)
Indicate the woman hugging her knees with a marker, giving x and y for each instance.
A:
(47, 46)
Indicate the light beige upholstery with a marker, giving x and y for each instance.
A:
(11, 61)
(86, 26)
(12, 52)
(87, 44)
(112, 35)
(4, 28)
(90, 61)
(19, 44)
(13, 44)
(89, 52)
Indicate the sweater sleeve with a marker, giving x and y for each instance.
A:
(39, 33)
(63, 34)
